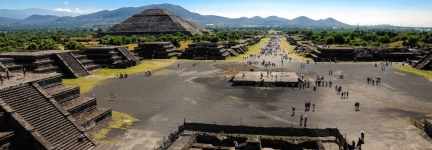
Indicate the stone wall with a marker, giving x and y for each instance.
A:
(428, 127)
(272, 131)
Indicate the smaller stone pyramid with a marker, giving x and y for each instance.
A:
(155, 22)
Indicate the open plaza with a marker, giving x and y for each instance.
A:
(184, 92)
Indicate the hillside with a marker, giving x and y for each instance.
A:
(121, 14)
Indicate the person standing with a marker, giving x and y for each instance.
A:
(313, 107)
(347, 94)
(115, 95)
(8, 74)
(1, 78)
(24, 72)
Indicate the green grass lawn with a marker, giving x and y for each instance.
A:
(425, 73)
(88, 82)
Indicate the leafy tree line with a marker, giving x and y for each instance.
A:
(373, 37)
(38, 39)
(50, 39)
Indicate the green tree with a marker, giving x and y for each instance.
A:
(330, 40)
(73, 45)
(134, 38)
(197, 38)
(33, 46)
(214, 39)
(175, 41)
(150, 38)
(339, 39)
(127, 40)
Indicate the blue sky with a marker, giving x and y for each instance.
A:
(363, 12)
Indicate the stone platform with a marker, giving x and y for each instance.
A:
(287, 79)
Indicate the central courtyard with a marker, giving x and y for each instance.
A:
(201, 93)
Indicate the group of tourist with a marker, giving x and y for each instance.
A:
(125, 75)
(148, 73)
(301, 120)
(2, 76)
(308, 105)
(195, 64)
(113, 96)
(370, 80)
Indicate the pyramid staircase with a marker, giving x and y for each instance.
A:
(88, 64)
(128, 55)
(425, 62)
(74, 67)
(51, 114)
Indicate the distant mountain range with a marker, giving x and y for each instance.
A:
(46, 18)
(24, 13)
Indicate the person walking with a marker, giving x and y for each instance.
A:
(293, 111)
(358, 106)
(305, 106)
(301, 119)
(347, 94)
(8, 74)
(115, 95)
(305, 121)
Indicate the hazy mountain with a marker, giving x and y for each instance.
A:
(110, 18)
(7, 21)
(24, 13)
(37, 19)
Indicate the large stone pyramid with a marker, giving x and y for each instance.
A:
(154, 22)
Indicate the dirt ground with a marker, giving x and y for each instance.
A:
(201, 94)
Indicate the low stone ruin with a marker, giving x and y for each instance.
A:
(213, 51)
(39, 112)
(69, 62)
(157, 50)
(225, 142)
(239, 47)
(112, 56)
(207, 51)
(291, 40)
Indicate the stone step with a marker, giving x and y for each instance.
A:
(80, 105)
(97, 116)
(93, 67)
(65, 93)
(86, 62)
(46, 69)
(14, 68)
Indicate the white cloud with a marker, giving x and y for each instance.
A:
(66, 3)
(79, 11)
(63, 9)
